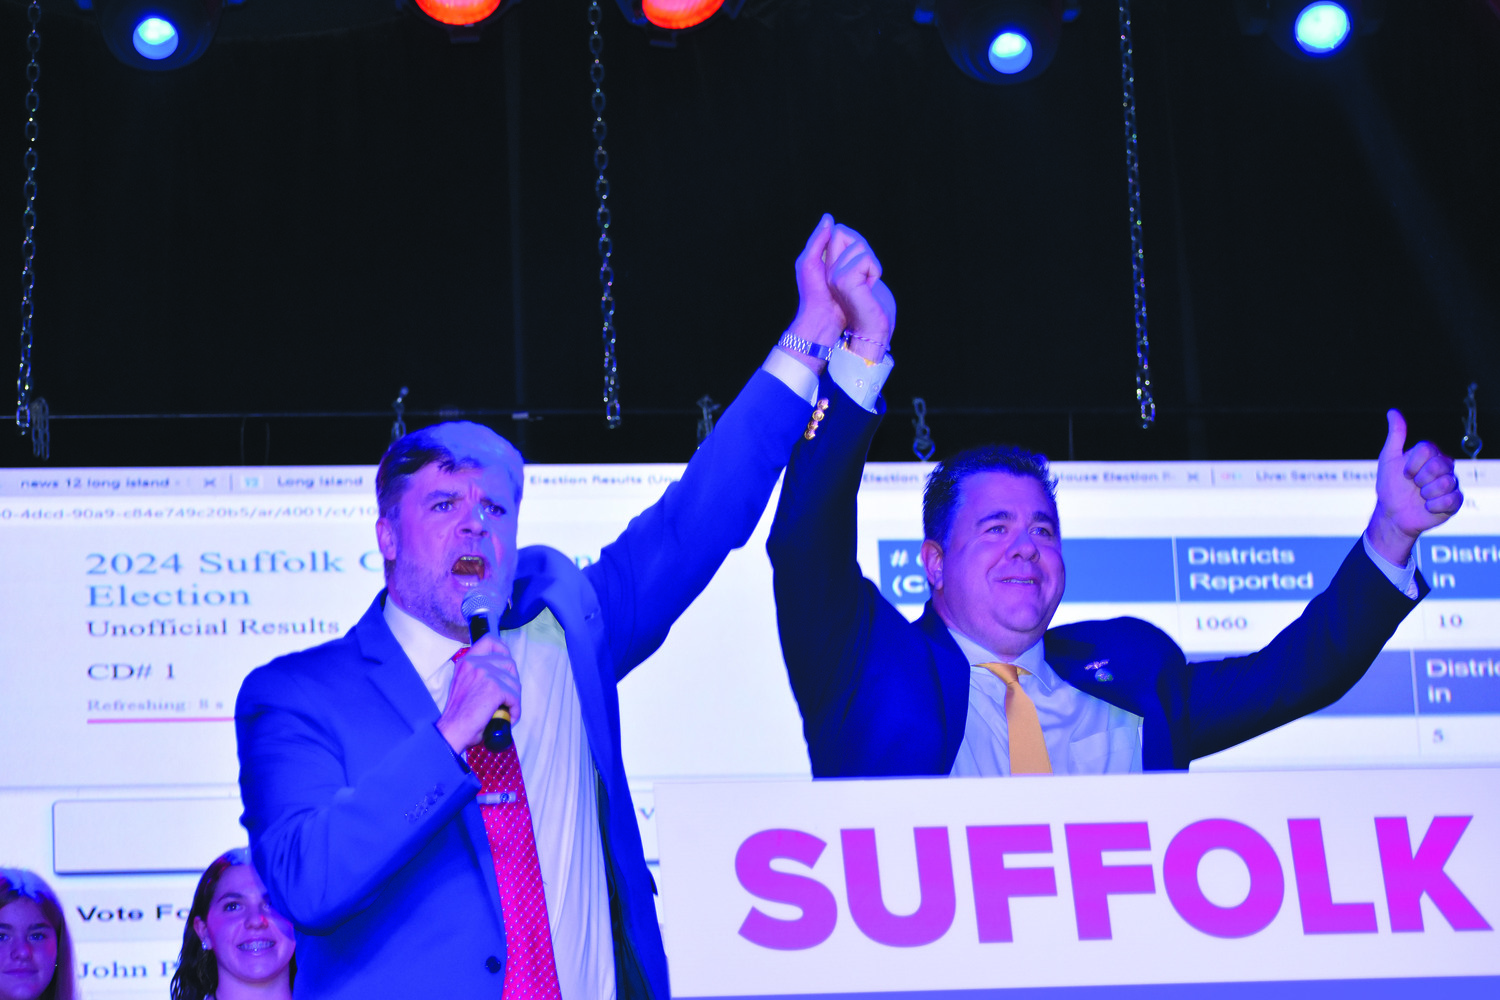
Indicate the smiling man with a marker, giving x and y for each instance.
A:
(980, 685)
(413, 860)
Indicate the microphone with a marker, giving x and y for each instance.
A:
(483, 609)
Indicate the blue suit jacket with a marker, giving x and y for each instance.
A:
(363, 823)
(883, 696)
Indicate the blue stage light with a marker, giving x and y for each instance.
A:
(1321, 28)
(155, 38)
(1010, 52)
(158, 35)
(1001, 41)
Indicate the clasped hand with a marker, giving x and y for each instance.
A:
(839, 288)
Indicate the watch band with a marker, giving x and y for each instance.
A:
(792, 342)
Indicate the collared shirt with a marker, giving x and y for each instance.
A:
(1084, 735)
(560, 788)
(561, 785)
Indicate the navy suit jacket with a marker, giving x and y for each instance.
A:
(883, 696)
(362, 822)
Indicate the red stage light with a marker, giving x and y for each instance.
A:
(459, 11)
(677, 14)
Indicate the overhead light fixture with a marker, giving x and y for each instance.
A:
(678, 14)
(1320, 28)
(1311, 31)
(155, 38)
(158, 34)
(675, 15)
(999, 41)
(459, 13)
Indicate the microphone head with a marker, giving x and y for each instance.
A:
(482, 608)
(481, 601)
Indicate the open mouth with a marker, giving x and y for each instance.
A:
(257, 946)
(469, 566)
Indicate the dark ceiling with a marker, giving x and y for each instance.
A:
(308, 219)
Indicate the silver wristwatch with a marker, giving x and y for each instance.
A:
(792, 342)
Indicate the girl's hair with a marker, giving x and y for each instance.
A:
(197, 975)
(18, 883)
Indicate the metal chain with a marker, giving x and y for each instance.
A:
(708, 408)
(398, 426)
(1471, 443)
(601, 216)
(1137, 246)
(921, 444)
(28, 225)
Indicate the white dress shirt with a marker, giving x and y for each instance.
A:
(560, 789)
(561, 785)
(1084, 735)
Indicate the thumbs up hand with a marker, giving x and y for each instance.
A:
(1415, 489)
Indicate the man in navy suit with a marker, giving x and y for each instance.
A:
(981, 685)
(365, 818)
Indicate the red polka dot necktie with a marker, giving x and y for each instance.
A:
(530, 969)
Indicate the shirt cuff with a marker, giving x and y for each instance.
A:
(1403, 578)
(793, 374)
(862, 380)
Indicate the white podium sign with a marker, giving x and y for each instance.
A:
(938, 886)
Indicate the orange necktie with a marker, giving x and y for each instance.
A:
(1028, 751)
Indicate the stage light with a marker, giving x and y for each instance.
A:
(1001, 41)
(1321, 28)
(678, 14)
(158, 34)
(664, 18)
(1010, 52)
(1312, 32)
(155, 38)
(459, 13)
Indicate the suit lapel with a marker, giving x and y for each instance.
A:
(953, 679)
(392, 673)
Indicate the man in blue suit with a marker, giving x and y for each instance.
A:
(981, 685)
(365, 819)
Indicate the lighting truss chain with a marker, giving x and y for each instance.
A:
(1471, 443)
(922, 445)
(398, 426)
(28, 224)
(601, 216)
(1137, 246)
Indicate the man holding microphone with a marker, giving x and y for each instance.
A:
(413, 860)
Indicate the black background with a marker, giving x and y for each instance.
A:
(308, 223)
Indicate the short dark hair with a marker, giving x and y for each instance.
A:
(944, 488)
(410, 455)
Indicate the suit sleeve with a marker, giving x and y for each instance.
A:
(646, 578)
(1311, 664)
(865, 679)
(326, 847)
